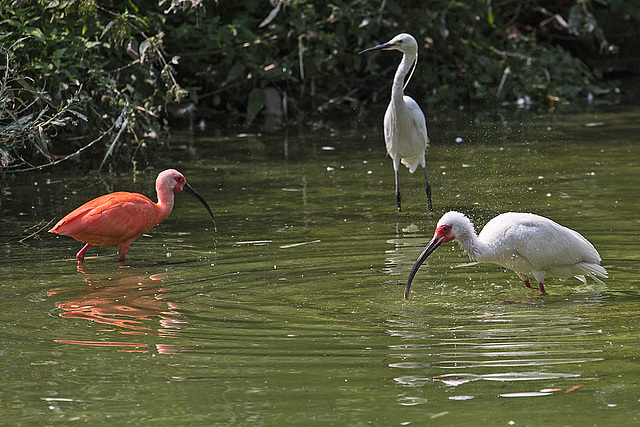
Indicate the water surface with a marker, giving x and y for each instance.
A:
(291, 311)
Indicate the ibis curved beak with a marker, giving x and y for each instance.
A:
(386, 45)
(431, 246)
(189, 189)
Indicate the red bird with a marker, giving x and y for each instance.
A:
(117, 219)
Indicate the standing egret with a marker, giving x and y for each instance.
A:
(405, 129)
(529, 244)
(117, 219)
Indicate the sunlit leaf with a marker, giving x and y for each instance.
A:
(78, 114)
(272, 15)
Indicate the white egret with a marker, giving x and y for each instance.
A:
(529, 244)
(405, 129)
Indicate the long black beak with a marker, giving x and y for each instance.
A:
(432, 246)
(380, 46)
(189, 189)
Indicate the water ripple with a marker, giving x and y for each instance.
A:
(522, 349)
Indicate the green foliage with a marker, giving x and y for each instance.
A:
(108, 69)
(78, 69)
(470, 53)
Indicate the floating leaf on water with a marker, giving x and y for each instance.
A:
(412, 401)
(438, 415)
(573, 388)
(525, 394)
(293, 245)
(254, 242)
(468, 264)
(461, 397)
(411, 229)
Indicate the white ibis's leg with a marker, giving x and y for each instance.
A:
(542, 291)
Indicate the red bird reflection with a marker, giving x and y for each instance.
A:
(129, 304)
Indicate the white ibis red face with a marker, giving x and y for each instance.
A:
(444, 233)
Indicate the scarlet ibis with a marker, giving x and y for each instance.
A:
(117, 219)
(529, 244)
(405, 129)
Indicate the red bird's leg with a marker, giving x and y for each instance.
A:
(542, 291)
(527, 284)
(80, 255)
(123, 249)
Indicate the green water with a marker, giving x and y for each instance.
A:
(291, 312)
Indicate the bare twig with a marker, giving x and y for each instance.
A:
(36, 232)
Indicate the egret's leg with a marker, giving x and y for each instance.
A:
(527, 284)
(80, 255)
(428, 189)
(396, 166)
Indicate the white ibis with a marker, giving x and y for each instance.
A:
(405, 129)
(529, 244)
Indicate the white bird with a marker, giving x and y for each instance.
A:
(405, 129)
(529, 244)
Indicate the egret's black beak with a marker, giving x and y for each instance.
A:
(432, 246)
(189, 189)
(387, 45)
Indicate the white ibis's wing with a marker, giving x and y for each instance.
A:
(541, 241)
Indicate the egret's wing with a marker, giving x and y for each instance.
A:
(417, 121)
(390, 127)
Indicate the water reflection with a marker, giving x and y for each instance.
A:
(407, 245)
(131, 302)
(522, 348)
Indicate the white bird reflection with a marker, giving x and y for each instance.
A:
(524, 347)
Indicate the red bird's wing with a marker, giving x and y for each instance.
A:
(110, 219)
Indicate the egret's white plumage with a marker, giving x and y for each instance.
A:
(405, 128)
(529, 244)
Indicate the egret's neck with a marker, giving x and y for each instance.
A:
(401, 73)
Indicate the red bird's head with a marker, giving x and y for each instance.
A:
(174, 180)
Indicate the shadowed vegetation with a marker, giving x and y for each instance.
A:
(98, 77)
